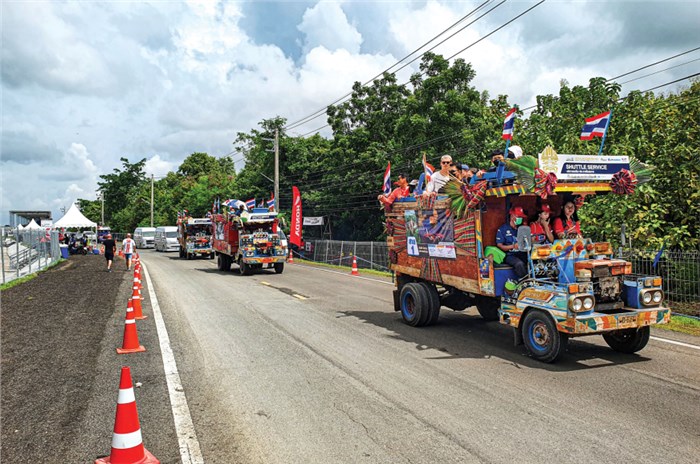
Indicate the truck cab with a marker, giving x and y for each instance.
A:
(250, 239)
(194, 236)
(573, 287)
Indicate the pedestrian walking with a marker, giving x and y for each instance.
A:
(128, 246)
(109, 247)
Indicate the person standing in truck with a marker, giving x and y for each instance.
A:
(441, 177)
(507, 240)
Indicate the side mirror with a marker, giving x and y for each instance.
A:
(524, 238)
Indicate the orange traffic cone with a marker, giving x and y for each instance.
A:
(121, 253)
(136, 302)
(130, 344)
(127, 444)
(354, 266)
(137, 281)
(291, 257)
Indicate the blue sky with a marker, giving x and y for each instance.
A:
(85, 83)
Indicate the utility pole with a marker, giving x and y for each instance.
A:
(151, 200)
(277, 170)
(102, 197)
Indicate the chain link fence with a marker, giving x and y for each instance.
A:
(680, 270)
(27, 251)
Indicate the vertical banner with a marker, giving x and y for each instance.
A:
(295, 231)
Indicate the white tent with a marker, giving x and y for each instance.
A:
(32, 226)
(73, 218)
(20, 227)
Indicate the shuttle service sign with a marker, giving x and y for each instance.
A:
(582, 167)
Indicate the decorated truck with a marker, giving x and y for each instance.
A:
(443, 251)
(194, 236)
(249, 239)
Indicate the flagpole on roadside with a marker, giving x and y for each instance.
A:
(605, 132)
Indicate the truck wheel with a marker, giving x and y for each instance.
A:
(628, 340)
(433, 300)
(223, 262)
(279, 268)
(541, 337)
(244, 268)
(488, 307)
(413, 304)
(188, 255)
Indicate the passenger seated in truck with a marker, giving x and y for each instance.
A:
(540, 228)
(399, 192)
(567, 224)
(507, 240)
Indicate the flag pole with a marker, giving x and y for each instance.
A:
(605, 132)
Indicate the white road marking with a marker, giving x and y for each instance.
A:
(190, 452)
(343, 273)
(674, 342)
(301, 297)
(262, 282)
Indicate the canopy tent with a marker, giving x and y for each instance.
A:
(20, 227)
(32, 226)
(73, 218)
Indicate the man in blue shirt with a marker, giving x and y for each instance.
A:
(507, 240)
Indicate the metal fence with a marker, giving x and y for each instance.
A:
(680, 270)
(27, 251)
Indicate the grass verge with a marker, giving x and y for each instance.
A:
(28, 277)
(683, 324)
(343, 268)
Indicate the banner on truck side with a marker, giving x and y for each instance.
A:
(581, 167)
(430, 233)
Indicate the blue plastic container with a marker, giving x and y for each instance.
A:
(64, 251)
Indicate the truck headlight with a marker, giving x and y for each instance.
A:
(575, 304)
(588, 303)
(658, 297)
(647, 297)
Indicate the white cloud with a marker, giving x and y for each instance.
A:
(159, 167)
(326, 25)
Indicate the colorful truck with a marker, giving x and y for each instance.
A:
(440, 249)
(194, 236)
(250, 239)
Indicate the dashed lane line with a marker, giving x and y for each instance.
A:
(190, 452)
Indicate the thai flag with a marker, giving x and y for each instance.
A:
(428, 169)
(387, 179)
(508, 125)
(250, 204)
(271, 203)
(595, 126)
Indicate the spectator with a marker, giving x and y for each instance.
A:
(109, 247)
(128, 245)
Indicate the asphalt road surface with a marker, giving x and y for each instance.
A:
(312, 366)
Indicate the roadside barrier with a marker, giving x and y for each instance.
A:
(136, 302)
(130, 343)
(354, 267)
(291, 257)
(127, 444)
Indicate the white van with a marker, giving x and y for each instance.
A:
(144, 237)
(166, 239)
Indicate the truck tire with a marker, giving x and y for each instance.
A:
(414, 304)
(245, 269)
(488, 307)
(279, 268)
(541, 337)
(223, 262)
(433, 305)
(628, 340)
(180, 253)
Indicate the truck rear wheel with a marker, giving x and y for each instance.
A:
(223, 262)
(414, 304)
(279, 268)
(433, 303)
(488, 307)
(628, 340)
(541, 337)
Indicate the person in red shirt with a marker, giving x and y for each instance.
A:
(399, 192)
(540, 229)
(567, 223)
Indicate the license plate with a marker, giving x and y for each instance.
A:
(267, 260)
(627, 321)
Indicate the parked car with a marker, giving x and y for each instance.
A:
(166, 239)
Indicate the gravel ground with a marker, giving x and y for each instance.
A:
(60, 371)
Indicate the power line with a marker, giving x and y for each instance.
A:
(654, 64)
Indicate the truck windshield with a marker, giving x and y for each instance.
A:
(148, 234)
(171, 234)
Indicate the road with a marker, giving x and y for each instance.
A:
(312, 366)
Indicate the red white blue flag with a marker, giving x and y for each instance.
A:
(428, 169)
(508, 125)
(271, 202)
(595, 126)
(250, 204)
(387, 179)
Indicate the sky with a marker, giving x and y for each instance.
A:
(87, 83)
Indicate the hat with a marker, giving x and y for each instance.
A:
(414, 182)
(464, 167)
(516, 151)
(518, 211)
(546, 209)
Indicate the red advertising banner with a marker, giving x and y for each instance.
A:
(295, 232)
